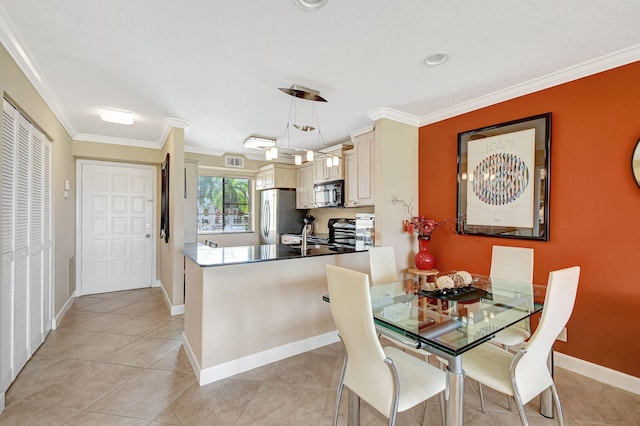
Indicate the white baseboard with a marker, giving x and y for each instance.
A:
(193, 360)
(177, 310)
(597, 372)
(173, 309)
(231, 368)
(58, 318)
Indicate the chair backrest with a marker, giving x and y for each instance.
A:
(366, 372)
(512, 263)
(532, 373)
(382, 265)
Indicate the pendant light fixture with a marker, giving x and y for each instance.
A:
(298, 92)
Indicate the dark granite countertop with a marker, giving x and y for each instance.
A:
(206, 256)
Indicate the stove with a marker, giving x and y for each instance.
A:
(342, 233)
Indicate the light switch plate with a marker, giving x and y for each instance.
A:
(563, 335)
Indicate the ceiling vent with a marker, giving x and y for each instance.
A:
(231, 161)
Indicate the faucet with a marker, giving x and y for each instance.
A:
(305, 233)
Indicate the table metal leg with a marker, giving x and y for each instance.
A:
(354, 409)
(454, 394)
(546, 397)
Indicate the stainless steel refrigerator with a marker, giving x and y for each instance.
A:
(278, 215)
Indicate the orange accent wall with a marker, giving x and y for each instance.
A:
(594, 206)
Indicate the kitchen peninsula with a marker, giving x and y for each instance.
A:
(249, 306)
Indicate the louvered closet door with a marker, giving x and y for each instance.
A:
(36, 243)
(21, 266)
(7, 210)
(26, 210)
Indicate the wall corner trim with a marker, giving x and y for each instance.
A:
(60, 315)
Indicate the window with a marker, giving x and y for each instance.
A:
(224, 204)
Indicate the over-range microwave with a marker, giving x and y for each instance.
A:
(329, 194)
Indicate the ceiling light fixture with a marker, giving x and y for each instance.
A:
(437, 58)
(113, 116)
(310, 5)
(258, 142)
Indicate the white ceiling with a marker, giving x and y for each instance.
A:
(217, 64)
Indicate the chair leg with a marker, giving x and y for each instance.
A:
(338, 397)
(354, 409)
(481, 398)
(339, 391)
(442, 405)
(520, 407)
(506, 348)
(424, 412)
(558, 406)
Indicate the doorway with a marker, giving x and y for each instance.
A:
(116, 209)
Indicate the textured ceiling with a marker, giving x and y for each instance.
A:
(217, 64)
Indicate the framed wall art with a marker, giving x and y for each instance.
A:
(503, 179)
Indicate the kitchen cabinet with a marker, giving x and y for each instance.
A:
(350, 182)
(276, 176)
(304, 188)
(323, 173)
(360, 173)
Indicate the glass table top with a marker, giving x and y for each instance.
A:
(453, 322)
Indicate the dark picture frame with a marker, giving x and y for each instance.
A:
(164, 201)
(503, 179)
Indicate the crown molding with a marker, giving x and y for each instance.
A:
(205, 151)
(604, 63)
(170, 123)
(21, 56)
(395, 115)
(87, 137)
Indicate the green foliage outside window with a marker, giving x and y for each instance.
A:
(224, 204)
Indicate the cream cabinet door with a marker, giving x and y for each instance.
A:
(365, 149)
(351, 178)
(304, 188)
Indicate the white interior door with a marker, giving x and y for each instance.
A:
(117, 237)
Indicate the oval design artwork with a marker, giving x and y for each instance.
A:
(500, 179)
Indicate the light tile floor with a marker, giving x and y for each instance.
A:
(117, 359)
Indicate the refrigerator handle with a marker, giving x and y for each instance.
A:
(266, 220)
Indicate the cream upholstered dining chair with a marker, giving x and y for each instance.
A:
(383, 269)
(388, 379)
(382, 265)
(525, 374)
(514, 264)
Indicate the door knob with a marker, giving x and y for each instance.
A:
(147, 235)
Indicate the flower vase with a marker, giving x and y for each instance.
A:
(424, 259)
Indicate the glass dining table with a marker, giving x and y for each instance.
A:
(449, 322)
